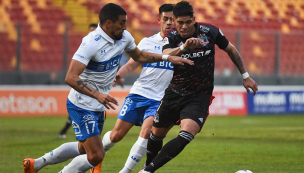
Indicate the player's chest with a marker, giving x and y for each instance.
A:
(203, 51)
(106, 52)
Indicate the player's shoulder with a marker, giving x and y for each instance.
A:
(171, 32)
(150, 39)
(90, 40)
(127, 34)
(206, 26)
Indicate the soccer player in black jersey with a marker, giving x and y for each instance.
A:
(189, 94)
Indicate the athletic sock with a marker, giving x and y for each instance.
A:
(138, 150)
(170, 150)
(154, 146)
(79, 164)
(63, 153)
(106, 141)
(125, 170)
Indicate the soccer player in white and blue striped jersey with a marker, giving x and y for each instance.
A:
(142, 102)
(91, 75)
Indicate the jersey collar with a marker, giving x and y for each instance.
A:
(104, 35)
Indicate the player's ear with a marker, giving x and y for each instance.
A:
(193, 18)
(158, 19)
(108, 23)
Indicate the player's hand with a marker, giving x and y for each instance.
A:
(119, 80)
(192, 43)
(107, 100)
(250, 83)
(179, 60)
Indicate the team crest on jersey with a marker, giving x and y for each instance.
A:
(166, 40)
(204, 28)
(204, 39)
(83, 44)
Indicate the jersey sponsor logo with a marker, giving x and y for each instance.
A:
(196, 54)
(162, 64)
(98, 38)
(166, 40)
(204, 28)
(105, 65)
(157, 47)
(204, 39)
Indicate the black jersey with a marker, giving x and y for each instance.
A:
(197, 78)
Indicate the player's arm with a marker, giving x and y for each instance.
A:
(191, 43)
(237, 60)
(128, 68)
(147, 57)
(125, 71)
(72, 78)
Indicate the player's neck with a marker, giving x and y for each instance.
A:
(107, 32)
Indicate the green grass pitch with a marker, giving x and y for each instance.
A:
(262, 144)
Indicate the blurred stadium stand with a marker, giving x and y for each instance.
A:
(41, 36)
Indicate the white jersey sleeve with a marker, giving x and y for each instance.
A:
(131, 41)
(84, 52)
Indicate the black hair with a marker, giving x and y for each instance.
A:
(183, 8)
(93, 25)
(110, 12)
(165, 8)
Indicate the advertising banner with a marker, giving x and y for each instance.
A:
(265, 102)
(44, 101)
(229, 103)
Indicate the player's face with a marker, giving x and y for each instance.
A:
(185, 26)
(166, 21)
(118, 27)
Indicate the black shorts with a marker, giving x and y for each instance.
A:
(174, 107)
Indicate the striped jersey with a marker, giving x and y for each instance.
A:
(154, 77)
(101, 55)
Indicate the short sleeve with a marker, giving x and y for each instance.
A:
(130, 41)
(142, 44)
(221, 41)
(168, 43)
(84, 52)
